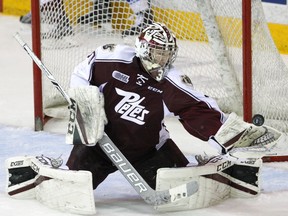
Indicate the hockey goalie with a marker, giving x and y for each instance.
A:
(119, 98)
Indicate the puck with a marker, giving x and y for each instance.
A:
(258, 120)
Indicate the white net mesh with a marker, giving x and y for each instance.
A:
(72, 29)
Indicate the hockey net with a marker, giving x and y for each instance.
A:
(210, 49)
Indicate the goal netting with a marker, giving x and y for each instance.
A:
(210, 44)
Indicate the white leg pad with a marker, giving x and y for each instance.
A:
(214, 185)
(65, 190)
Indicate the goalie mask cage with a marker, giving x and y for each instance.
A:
(225, 47)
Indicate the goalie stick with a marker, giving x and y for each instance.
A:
(148, 194)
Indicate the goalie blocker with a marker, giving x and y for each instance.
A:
(87, 117)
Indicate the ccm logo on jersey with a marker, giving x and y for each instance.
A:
(130, 107)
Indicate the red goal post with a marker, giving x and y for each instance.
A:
(225, 47)
(39, 117)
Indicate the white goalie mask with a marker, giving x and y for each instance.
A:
(157, 49)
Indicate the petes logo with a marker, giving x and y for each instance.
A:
(130, 107)
(120, 76)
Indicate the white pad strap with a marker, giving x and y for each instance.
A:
(87, 127)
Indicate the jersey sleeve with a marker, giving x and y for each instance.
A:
(198, 113)
(82, 72)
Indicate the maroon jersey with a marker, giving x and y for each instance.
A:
(136, 104)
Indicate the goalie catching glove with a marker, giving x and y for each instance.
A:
(87, 116)
(237, 133)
